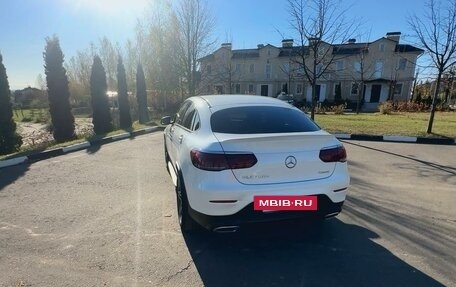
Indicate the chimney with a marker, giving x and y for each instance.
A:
(312, 41)
(395, 36)
(351, 41)
(260, 46)
(227, 45)
(287, 43)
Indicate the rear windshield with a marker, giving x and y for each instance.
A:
(261, 119)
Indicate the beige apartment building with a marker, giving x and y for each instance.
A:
(385, 67)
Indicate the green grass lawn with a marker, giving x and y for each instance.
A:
(407, 124)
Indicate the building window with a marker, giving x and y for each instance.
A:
(398, 89)
(337, 88)
(299, 89)
(381, 47)
(252, 68)
(357, 66)
(378, 69)
(354, 88)
(402, 64)
(251, 89)
(339, 65)
(209, 69)
(237, 88)
(268, 71)
(238, 68)
(286, 68)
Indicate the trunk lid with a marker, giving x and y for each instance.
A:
(282, 158)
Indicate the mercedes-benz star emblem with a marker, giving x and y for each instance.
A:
(290, 161)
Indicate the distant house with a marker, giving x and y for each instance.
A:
(30, 97)
(386, 67)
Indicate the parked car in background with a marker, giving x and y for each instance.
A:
(225, 152)
(287, 98)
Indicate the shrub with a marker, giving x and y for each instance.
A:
(386, 108)
(101, 118)
(58, 91)
(320, 109)
(338, 109)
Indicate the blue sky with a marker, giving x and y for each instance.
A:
(26, 23)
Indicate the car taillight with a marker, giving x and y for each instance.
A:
(336, 154)
(221, 161)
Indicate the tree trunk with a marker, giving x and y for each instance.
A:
(434, 98)
(360, 93)
(313, 105)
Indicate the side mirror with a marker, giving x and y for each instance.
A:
(166, 120)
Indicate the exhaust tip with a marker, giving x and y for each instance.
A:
(331, 214)
(226, 229)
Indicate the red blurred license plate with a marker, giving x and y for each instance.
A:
(285, 202)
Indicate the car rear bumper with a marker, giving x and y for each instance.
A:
(247, 215)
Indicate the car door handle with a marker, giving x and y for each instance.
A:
(181, 137)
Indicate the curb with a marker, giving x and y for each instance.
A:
(398, 139)
(84, 145)
(31, 158)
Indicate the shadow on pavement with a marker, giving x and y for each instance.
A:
(94, 148)
(448, 169)
(9, 175)
(333, 254)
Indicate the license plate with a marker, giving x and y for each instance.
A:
(270, 203)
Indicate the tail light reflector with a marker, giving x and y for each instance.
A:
(222, 161)
(335, 154)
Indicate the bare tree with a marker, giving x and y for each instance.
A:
(108, 55)
(196, 24)
(436, 34)
(363, 73)
(79, 70)
(318, 24)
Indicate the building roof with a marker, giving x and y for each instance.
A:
(338, 49)
(292, 51)
(349, 49)
(245, 53)
(404, 48)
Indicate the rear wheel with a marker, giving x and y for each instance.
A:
(166, 157)
(185, 221)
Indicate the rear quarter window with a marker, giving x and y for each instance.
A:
(261, 119)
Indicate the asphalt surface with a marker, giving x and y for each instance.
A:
(107, 217)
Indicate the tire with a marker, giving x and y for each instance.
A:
(186, 223)
(166, 157)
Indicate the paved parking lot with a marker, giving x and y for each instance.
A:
(106, 217)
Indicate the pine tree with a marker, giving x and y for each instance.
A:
(122, 96)
(58, 91)
(141, 95)
(102, 121)
(10, 141)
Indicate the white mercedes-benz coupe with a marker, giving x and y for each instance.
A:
(239, 159)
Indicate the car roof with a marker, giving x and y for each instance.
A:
(236, 100)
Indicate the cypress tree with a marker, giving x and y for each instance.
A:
(58, 91)
(101, 115)
(141, 95)
(10, 141)
(122, 96)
